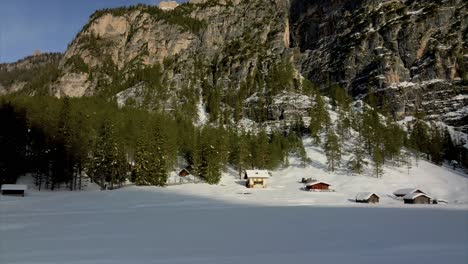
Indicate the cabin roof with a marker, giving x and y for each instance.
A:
(406, 191)
(257, 174)
(365, 196)
(412, 196)
(14, 187)
(317, 182)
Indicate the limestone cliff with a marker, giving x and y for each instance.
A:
(249, 58)
(410, 53)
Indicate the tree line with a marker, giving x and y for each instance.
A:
(63, 141)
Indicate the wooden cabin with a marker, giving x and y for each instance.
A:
(367, 197)
(416, 198)
(318, 186)
(256, 178)
(405, 191)
(184, 173)
(14, 189)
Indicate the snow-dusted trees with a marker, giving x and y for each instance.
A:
(108, 163)
(332, 151)
(357, 161)
(154, 155)
(319, 118)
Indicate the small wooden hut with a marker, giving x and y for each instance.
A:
(318, 186)
(14, 189)
(184, 172)
(367, 197)
(417, 198)
(256, 178)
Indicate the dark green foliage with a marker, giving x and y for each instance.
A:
(154, 156)
(332, 151)
(179, 16)
(70, 137)
(378, 159)
(419, 137)
(77, 64)
(357, 161)
(13, 137)
(449, 149)
(108, 163)
(319, 118)
(37, 64)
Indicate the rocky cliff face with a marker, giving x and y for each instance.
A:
(250, 56)
(17, 76)
(410, 53)
(196, 47)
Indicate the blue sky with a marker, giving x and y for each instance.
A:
(47, 25)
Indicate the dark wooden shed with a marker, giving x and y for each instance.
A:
(367, 198)
(318, 186)
(184, 173)
(417, 198)
(14, 189)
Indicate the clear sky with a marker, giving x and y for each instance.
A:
(47, 25)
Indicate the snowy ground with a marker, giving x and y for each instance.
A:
(227, 223)
(284, 187)
(153, 225)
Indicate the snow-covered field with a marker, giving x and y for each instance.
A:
(152, 225)
(285, 189)
(227, 223)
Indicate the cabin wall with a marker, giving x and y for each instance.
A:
(13, 192)
(422, 200)
(374, 199)
(320, 187)
(256, 183)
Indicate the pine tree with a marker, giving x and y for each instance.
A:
(210, 156)
(64, 158)
(102, 167)
(153, 157)
(357, 162)
(378, 159)
(449, 149)
(319, 118)
(332, 151)
(436, 145)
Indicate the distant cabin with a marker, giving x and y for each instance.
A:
(417, 198)
(405, 191)
(14, 189)
(256, 178)
(318, 186)
(184, 173)
(367, 197)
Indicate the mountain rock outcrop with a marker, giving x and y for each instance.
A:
(34, 73)
(410, 53)
(248, 58)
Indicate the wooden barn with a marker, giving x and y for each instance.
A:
(14, 189)
(256, 178)
(184, 172)
(416, 198)
(405, 191)
(318, 186)
(367, 197)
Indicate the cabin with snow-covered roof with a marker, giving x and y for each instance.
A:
(256, 178)
(417, 198)
(367, 197)
(318, 186)
(405, 191)
(14, 189)
(184, 172)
